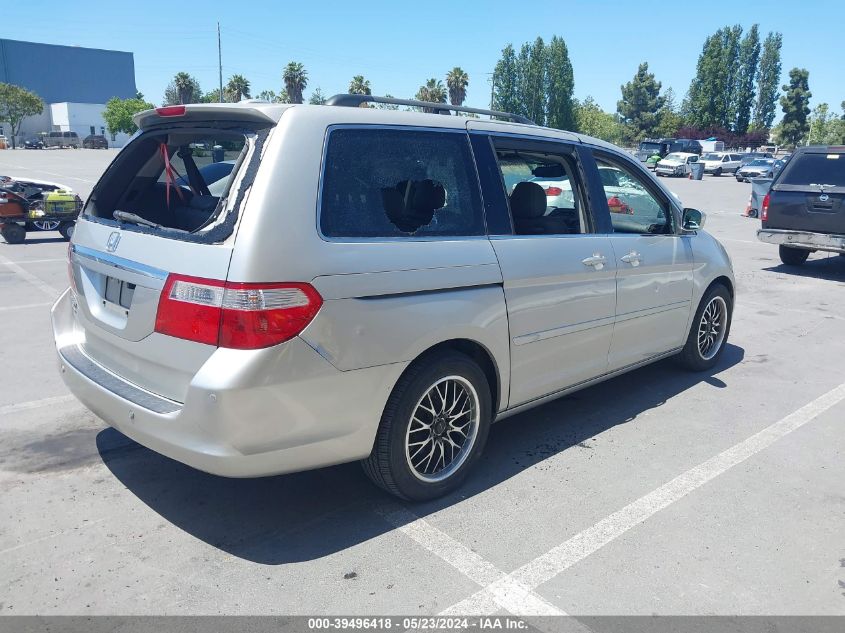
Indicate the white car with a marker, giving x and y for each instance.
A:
(718, 163)
(675, 164)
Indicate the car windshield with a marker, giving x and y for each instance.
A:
(648, 146)
(712, 156)
(675, 156)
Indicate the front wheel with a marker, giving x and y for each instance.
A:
(433, 429)
(718, 171)
(793, 256)
(709, 331)
(66, 230)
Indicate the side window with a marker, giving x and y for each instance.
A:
(633, 207)
(399, 183)
(543, 194)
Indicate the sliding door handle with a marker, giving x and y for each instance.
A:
(597, 261)
(632, 258)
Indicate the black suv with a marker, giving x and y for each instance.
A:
(804, 210)
(95, 141)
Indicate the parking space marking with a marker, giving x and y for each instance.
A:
(35, 404)
(43, 286)
(40, 261)
(25, 306)
(507, 593)
(577, 548)
(86, 524)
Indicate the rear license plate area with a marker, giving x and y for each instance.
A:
(119, 292)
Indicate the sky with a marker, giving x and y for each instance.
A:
(398, 45)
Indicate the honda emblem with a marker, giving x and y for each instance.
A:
(114, 240)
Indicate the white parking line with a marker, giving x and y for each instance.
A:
(573, 550)
(25, 306)
(34, 404)
(43, 286)
(507, 593)
(40, 261)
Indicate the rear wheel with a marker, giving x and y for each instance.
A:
(433, 429)
(13, 233)
(718, 171)
(66, 229)
(793, 256)
(709, 331)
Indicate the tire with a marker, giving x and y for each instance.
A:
(752, 213)
(394, 465)
(13, 233)
(793, 256)
(718, 171)
(66, 229)
(703, 350)
(48, 225)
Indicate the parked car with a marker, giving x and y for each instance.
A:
(34, 142)
(804, 210)
(676, 164)
(95, 141)
(62, 139)
(718, 163)
(752, 156)
(760, 168)
(371, 285)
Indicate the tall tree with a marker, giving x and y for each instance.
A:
(640, 105)
(359, 86)
(795, 104)
(531, 84)
(749, 56)
(317, 97)
(457, 81)
(16, 104)
(295, 78)
(559, 84)
(768, 79)
(432, 91)
(731, 68)
(183, 88)
(119, 112)
(237, 88)
(669, 120)
(504, 82)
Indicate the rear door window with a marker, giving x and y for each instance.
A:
(395, 183)
(815, 169)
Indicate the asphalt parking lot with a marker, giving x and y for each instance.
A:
(660, 492)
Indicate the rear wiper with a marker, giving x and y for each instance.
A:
(132, 218)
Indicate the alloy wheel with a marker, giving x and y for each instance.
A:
(712, 328)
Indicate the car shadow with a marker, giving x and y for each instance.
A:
(831, 268)
(304, 516)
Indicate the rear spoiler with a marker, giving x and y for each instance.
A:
(230, 112)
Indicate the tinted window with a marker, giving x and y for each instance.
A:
(815, 169)
(633, 206)
(399, 183)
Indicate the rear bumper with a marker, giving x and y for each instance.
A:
(246, 414)
(831, 242)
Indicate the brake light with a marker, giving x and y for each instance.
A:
(235, 315)
(172, 110)
(764, 209)
(554, 191)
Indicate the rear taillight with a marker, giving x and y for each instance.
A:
(235, 315)
(172, 110)
(764, 209)
(554, 191)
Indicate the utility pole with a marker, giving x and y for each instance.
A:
(220, 62)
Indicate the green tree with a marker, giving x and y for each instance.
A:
(16, 104)
(295, 78)
(639, 108)
(317, 97)
(710, 97)
(237, 88)
(272, 97)
(211, 97)
(504, 82)
(749, 56)
(768, 79)
(359, 86)
(531, 84)
(795, 105)
(669, 120)
(457, 81)
(386, 106)
(119, 112)
(593, 121)
(731, 66)
(825, 127)
(432, 91)
(559, 84)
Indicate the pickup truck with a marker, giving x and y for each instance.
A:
(804, 210)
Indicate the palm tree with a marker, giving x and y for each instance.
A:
(183, 89)
(359, 86)
(237, 88)
(433, 92)
(296, 79)
(457, 81)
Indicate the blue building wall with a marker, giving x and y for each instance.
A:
(67, 73)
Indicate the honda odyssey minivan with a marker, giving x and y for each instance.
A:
(371, 285)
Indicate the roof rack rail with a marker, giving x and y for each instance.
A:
(354, 101)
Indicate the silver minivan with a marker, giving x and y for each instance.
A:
(370, 284)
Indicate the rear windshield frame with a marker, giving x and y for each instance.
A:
(220, 230)
(795, 162)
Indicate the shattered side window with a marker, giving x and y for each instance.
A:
(399, 183)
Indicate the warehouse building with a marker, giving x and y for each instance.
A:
(74, 83)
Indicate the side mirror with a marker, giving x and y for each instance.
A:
(693, 219)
